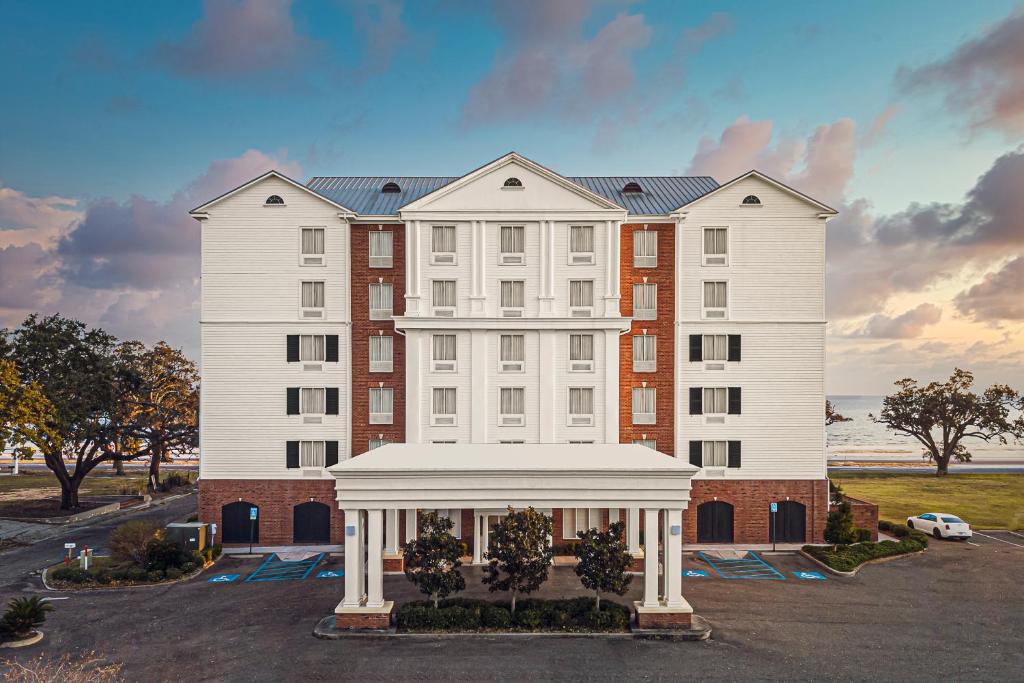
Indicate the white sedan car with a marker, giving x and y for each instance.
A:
(941, 525)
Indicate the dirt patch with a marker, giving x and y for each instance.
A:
(35, 508)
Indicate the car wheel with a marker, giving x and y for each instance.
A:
(910, 524)
(936, 533)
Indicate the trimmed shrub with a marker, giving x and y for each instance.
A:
(900, 530)
(103, 577)
(528, 618)
(846, 558)
(70, 575)
(492, 616)
(155, 575)
(24, 615)
(860, 535)
(162, 554)
(188, 567)
(465, 614)
(172, 573)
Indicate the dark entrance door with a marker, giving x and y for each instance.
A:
(714, 522)
(236, 526)
(790, 522)
(311, 523)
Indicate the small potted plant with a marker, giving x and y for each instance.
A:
(20, 623)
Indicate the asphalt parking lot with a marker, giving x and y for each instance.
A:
(955, 612)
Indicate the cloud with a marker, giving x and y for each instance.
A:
(904, 326)
(879, 125)
(235, 38)
(983, 77)
(27, 276)
(26, 220)
(379, 25)
(999, 296)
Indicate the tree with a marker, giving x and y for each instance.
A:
(24, 615)
(604, 560)
(25, 413)
(519, 553)
(941, 414)
(832, 415)
(432, 560)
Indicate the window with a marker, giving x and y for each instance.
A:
(377, 443)
(716, 299)
(581, 406)
(443, 298)
(513, 182)
(456, 517)
(513, 298)
(442, 245)
(751, 200)
(645, 301)
(512, 353)
(715, 347)
(312, 247)
(312, 401)
(575, 520)
(716, 401)
(312, 299)
(382, 353)
(312, 347)
(391, 188)
(512, 250)
(632, 188)
(444, 352)
(512, 406)
(644, 412)
(381, 296)
(382, 249)
(649, 443)
(581, 298)
(715, 453)
(581, 353)
(312, 453)
(274, 200)
(716, 246)
(581, 244)
(645, 249)
(442, 412)
(645, 353)
(382, 406)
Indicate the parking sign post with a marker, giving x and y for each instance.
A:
(253, 512)
(774, 509)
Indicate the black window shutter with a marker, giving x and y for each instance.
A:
(293, 400)
(696, 401)
(330, 453)
(734, 347)
(696, 454)
(696, 348)
(331, 350)
(332, 400)
(734, 400)
(734, 454)
(292, 455)
(293, 348)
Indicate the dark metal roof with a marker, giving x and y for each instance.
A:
(661, 194)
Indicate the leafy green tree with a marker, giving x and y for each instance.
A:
(432, 560)
(832, 415)
(519, 553)
(941, 414)
(603, 561)
(25, 413)
(24, 615)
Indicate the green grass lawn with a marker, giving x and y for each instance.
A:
(986, 501)
(98, 482)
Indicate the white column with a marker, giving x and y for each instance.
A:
(478, 550)
(482, 264)
(361, 551)
(391, 532)
(674, 559)
(650, 558)
(549, 408)
(664, 554)
(478, 370)
(633, 530)
(411, 526)
(551, 260)
(613, 516)
(413, 385)
(353, 558)
(474, 260)
(375, 559)
(612, 339)
(483, 532)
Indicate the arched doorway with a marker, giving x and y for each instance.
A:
(235, 524)
(311, 523)
(790, 522)
(714, 522)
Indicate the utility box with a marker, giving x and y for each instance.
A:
(189, 535)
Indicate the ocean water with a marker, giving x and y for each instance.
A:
(862, 439)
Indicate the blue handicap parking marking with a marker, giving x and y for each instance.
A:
(223, 578)
(695, 573)
(750, 566)
(811, 576)
(330, 574)
(275, 569)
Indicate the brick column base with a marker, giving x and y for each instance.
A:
(363, 618)
(394, 563)
(662, 617)
(637, 565)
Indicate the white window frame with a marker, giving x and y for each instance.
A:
(308, 455)
(381, 313)
(646, 364)
(714, 312)
(506, 366)
(377, 443)
(511, 419)
(580, 364)
(708, 448)
(382, 365)
(581, 311)
(647, 443)
(714, 416)
(311, 414)
(582, 258)
(444, 311)
(311, 312)
(579, 419)
(444, 258)
(382, 418)
(512, 258)
(645, 313)
(646, 417)
(714, 260)
(444, 365)
(569, 531)
(313, 259)
(444, 419)
(711, 363)
(512, 311)
(312, 363)
(379, 260)
(645, 260)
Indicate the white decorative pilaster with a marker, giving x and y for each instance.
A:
(391, 532)
(549, 408)
(650, 558)
(611, 286)
(478, 543)
(353, 560)
(611, 385)
(411, 525)
(375, 558)
(412, 268)
(413, 385)
(674, 559)
(633, 531)
(480, 387)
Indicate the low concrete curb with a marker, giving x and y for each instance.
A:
(180, 579)
(71, 519)
(31, 640)
(856, 569)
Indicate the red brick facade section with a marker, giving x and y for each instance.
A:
(663, 328)
(664, 620)
(865, 515)
(354, 621)
(751, 499)
(363, 328)
(276, 500)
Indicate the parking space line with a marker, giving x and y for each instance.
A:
(994, 538)
(976, 545)
(1014, 533)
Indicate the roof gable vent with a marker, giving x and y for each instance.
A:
(632, 188)
(391, 188)
(751, 199)
(513, 182)
(274, 199)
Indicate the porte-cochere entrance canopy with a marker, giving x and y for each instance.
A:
(496, 476)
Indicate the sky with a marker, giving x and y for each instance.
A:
(908, 117)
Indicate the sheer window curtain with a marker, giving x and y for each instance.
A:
(312, 240)
(313, 401)
(513, 347)
(714, 294)
(644, 400)
(381, 349)
(312, 347)
(715, 240)
(513, 401)
(380, 296)
(444, 292)
(444, 401)
(644, 347)
(581, 238)
(312, 453)
(645, 243)
(715, 347)
(581, 293)
(512, 294)
(581, 347)
(716, 453)
(381, 244)
(513, 239)
(716, 401)
(312, 295)
(443, 239)
(581, 401)
(382, 400)
(444, 346)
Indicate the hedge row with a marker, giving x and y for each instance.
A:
(846, 558)
(532, 614)
(105, 575)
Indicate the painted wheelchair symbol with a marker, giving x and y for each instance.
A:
(695, 573)
(813, 576)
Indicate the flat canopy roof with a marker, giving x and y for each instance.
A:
(499, 475)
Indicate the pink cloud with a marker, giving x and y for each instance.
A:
(904, 326)
(999, 295)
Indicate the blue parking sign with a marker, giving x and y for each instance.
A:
(253, 511)
(774, 507)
